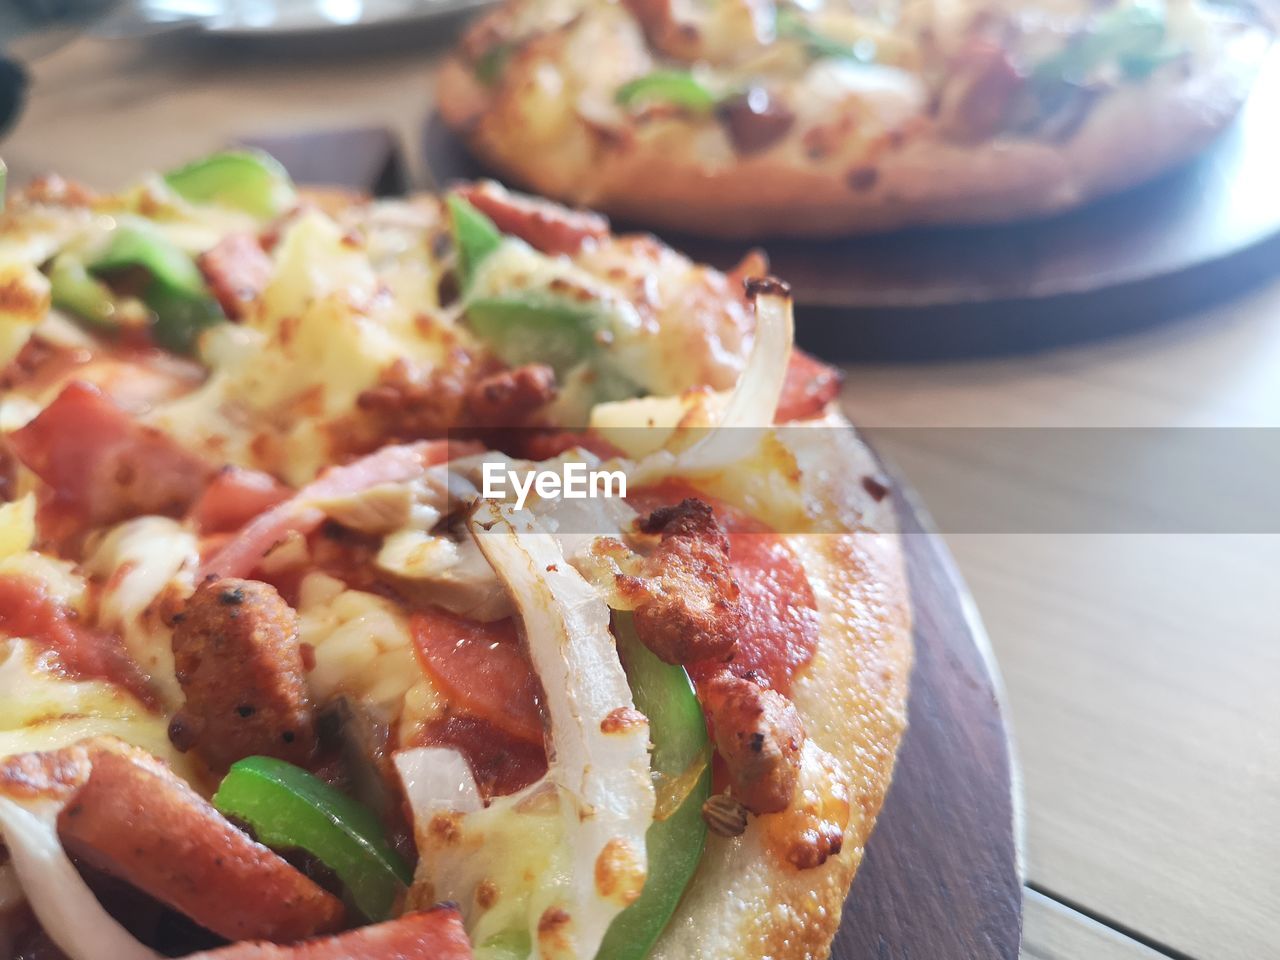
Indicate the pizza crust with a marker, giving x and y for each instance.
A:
(1132, 135)
(744, 901)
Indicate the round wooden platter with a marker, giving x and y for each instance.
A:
(942, 877)
(1194, 236)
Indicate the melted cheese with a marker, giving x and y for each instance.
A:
(363, 647)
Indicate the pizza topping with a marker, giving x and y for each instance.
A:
(759, 735)
(1128, 36)
(436, 933)
(754, 399)
(124, 813)
(977, 98)
(677, 88)
(75, 923)
(234, 497)
(791, 24)
(299, 514)
(555, 863)
(289, 809)
(812, 829)
(500, 764)
(484, 670)
(684, 596)
(755, 120)
(543, 225)
(410, 402)
(29, 612)
(510, 397)
(247, 180)
(237, 270)
(168, 282)
(809, 386)
(778, 636)
(101, 465)
(779, 633)
(236, 653)
(682, 781)
(475, 236)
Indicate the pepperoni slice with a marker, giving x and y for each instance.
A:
(234, 497)
(102, 465)
(27, 611)
(483, 669)
(810, 385)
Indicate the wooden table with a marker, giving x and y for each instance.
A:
(1143, 671)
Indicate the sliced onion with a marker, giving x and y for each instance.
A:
(750, 408)
(67, 909)
(606, 792)
(10, 890)
(579, 833)
(436, 778)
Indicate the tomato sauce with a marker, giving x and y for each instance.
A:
(780, 632)
(27, 611)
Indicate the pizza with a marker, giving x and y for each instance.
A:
(308, 649)
(742, 118)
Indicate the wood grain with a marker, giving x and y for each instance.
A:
(1142, 670)
(942, 879)
(1054, 932)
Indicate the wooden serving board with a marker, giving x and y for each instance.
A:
(942, 878)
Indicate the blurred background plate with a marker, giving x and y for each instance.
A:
(266, 19)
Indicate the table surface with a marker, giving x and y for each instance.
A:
(1142, 670)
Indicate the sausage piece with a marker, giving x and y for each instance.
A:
(235, 648)
(130, 816)
(543, 225)
(507, 398)
(431, 935)
(759, 735)
(691, 609)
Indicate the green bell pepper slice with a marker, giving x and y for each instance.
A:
(491, 63)
(474, 236)
(247, 180)
(678, 730)
(287, 807)
(1129, 35)
(536, 327)
(4, 183)
(79, 293)
(176, 292)
(679, 88)
(790, 25)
